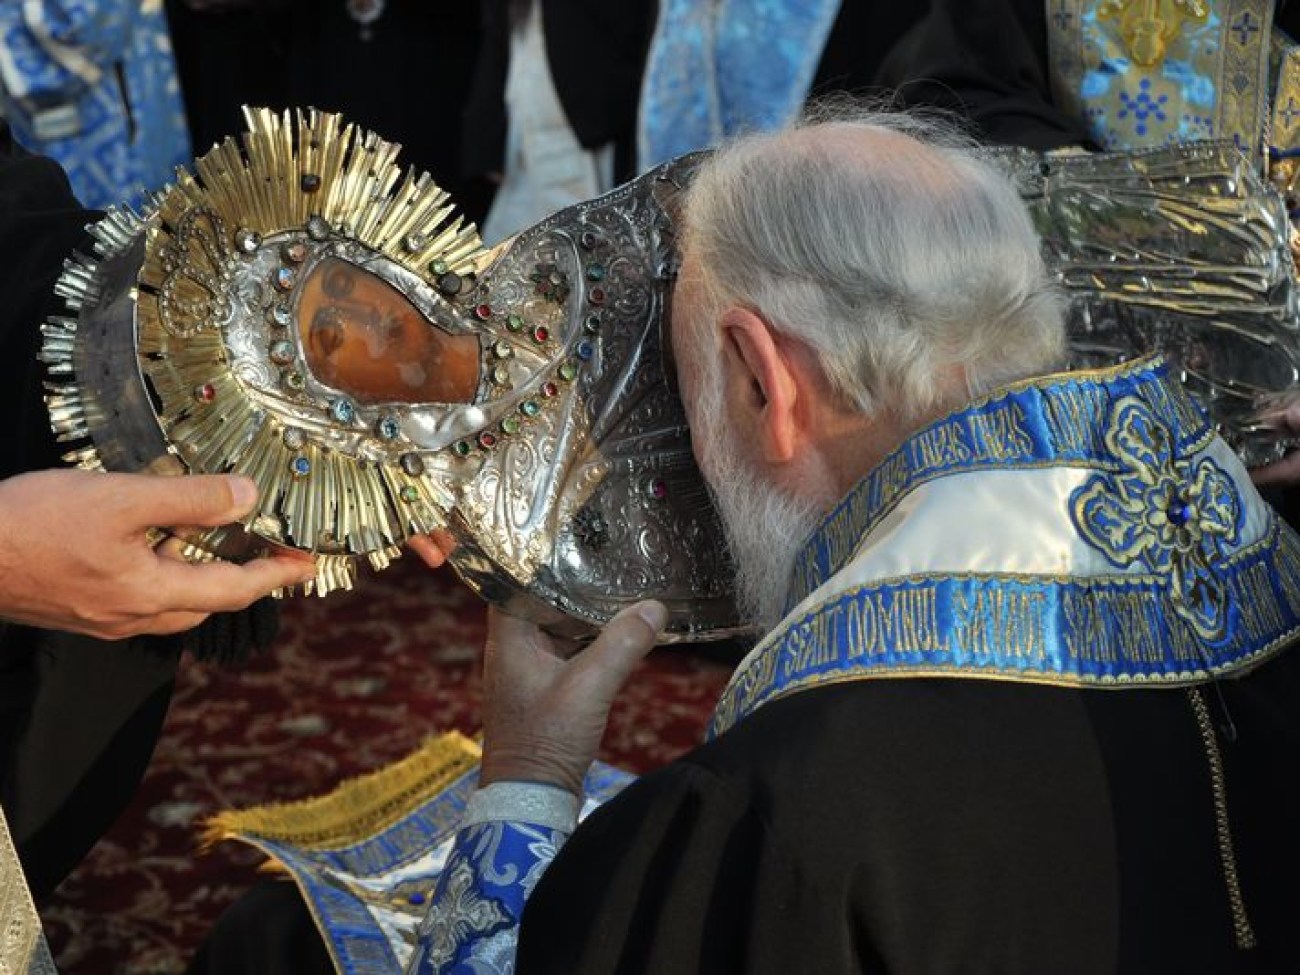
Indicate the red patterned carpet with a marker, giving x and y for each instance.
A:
(356, 680)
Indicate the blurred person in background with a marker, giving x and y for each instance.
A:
(92, 84)
(719, 68)
(401, 68)
(551, 116)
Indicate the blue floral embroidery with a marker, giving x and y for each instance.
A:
(1181, 82)
(472, 924)
(1142, 106)
(460, 915)
(1169, 515)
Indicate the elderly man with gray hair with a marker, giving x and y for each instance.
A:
(1024, 703)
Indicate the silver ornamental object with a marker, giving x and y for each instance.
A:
(1184, 251)
(302, 311)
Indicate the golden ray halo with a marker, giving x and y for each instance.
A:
(291, 172)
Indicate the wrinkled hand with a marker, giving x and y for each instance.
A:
(74, 553)
(1287, 470)
(543, 715)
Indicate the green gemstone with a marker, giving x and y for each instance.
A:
(515, 323)
(410, 494)
(592, 324)
(569, 371)
(510, 424)
(529, 408)
(462, 448)
(595, 272)
(438, 267)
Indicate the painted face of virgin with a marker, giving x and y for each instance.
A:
(365, 339)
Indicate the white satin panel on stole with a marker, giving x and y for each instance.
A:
(1005, 522)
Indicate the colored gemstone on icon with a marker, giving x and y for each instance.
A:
(247, 241)
(388, 428)
(281, 352)
(343, 411)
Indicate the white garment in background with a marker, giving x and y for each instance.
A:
(546, 167)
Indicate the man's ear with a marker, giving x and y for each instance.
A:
(762, 381)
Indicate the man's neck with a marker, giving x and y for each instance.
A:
(859, 446)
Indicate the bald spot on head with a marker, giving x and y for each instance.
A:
(905, 261)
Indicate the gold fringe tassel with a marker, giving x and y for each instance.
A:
(358, 808)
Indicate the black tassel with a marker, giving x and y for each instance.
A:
(230, 639)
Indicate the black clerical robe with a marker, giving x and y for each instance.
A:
(943, 826)
(78, 716)
(922, 826)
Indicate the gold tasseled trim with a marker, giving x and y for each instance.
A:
(358, 808)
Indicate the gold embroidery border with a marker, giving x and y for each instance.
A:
(1286, 100)
(729, 710)
(23, 950)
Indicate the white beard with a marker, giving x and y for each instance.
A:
(765, 528)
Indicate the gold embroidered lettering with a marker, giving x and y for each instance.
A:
(1071, 411)
(1087, 635)
(1172, 402)
(916, 624)
(1000, 435)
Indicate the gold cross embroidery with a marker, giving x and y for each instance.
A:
(1148, 26)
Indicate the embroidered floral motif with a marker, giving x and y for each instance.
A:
(492, 869)
(1168, 514)
(1142, 106)
(1187, 51)
(460, 915)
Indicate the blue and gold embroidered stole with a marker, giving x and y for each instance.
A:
(1147, 73)
(1085, 529)
(369, 856)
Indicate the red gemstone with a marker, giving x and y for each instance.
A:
(205, 393)
(550, 389)
(596, 296)
(541, 333)
(484, 312)
(487, 440)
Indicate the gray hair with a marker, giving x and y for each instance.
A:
(889, 273)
